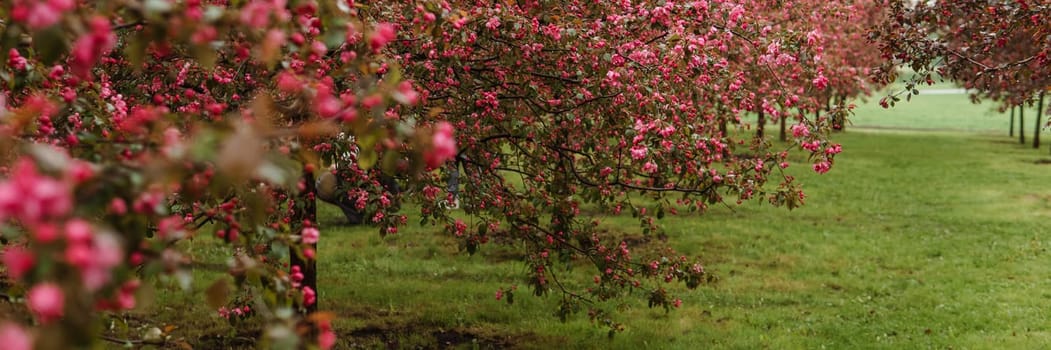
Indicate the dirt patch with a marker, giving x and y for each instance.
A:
(424, 336)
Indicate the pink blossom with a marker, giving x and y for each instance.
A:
(39, 14)
(81, 171)
(443, 146)
(821, 82)
(649, 167)
(89, 48)
(639, 152)
(813, 37)
(46, 301)
(835, 149)
(287, 82)
(383, 34)
(18, 261)
(118, 207)
(310, 235)
(45, 233)
(15, 60)
(14, 337)
(126, 295)
(95, 259)
(493, 23)
(309, 296)
(800, 130)
(822, 167)
(30, 197)
(405, 93)
(326, 338)
(78, 231)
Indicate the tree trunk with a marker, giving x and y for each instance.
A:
(760, 124)
(1021, 124)
(1011, 129)
(784, 137)
(1036, 129)
(306, 211)
(1040, 106)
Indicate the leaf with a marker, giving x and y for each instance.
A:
(50, 44)
(136, 50)
(367, 158)
(217, 294)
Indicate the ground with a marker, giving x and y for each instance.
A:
(929, 232)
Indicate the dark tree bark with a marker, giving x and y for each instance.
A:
(1021, 124)
(760, 124)
(306, 211)
(1011, 129)
(784, 136)
(1036, 129)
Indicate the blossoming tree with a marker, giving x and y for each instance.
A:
(128, 126)
(997, 49)
(615, 106)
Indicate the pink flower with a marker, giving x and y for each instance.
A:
(45, 233)
(126, 295)
(310, 235)
(835, 149)
(813, 37)
(383, 34)
(15, 60)
(287, 82)
(309, 296)
(39, 14)
(78, 231)
(326, 338)
(821, 82)
(46, 301)
(14, 337)
(822, 167)
(89, 48)
(30, 197)
(18, 261)
(118, 207)
(639, 152)
(95, 258)
(649, 167)
(443, 146)
(493, 23)
(406, 94)
(81, 171)
(800, 130)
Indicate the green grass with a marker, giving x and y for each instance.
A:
(935, 112)
(914, 240)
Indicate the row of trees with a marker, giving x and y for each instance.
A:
(128, 126)
(998, 50)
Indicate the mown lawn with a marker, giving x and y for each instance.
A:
(914, 240)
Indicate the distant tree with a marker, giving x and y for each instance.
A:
(997, 49)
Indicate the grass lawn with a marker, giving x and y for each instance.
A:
(950, 112)
(914, 240)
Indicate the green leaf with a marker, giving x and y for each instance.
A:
(367, 158)
(50, 44)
